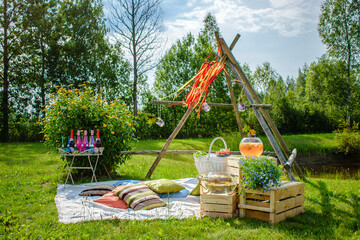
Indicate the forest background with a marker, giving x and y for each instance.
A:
(47, 45)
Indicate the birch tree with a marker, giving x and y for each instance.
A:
(137, 24)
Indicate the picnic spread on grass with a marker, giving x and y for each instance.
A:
(228, 185)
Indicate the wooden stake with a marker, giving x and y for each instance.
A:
(267, 106)
(258, 101)
(170, 139)
(174, 152)
(228, 81)
(291, 159)
(264, 125)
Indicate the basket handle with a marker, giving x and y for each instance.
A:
(213, 143)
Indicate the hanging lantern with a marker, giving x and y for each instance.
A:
(160, 122)
(241, 107)
(206, 107)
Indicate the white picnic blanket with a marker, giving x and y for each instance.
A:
(73, 208)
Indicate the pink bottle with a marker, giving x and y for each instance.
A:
(78, 141)
(92, 142)
(85, 142)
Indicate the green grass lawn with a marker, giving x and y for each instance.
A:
(29, 175)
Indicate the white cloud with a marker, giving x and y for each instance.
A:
(287, 17)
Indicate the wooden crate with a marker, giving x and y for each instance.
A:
(233, 166)
(275, 205)
(218, 205)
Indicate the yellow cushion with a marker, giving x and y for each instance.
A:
(196, 190)
(163, 186)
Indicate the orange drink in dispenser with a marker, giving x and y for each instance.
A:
(251, 146)
(251, 149)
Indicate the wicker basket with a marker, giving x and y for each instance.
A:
(211, 162)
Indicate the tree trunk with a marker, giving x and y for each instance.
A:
(42, 80)
(134, 60)
(135, 88)
(348, 72)
(175, 117)
(5, 99)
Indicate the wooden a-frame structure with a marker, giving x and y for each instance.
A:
(282, 151)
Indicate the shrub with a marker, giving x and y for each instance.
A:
(348, 138)
(260, 173)
(81, 109)
(23, 129)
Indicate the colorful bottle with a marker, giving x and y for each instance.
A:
(62, 143)
(92, 143)
(82, 147)
(78, 141)
(68, 145)
(85, 142)
(97, 142)
(72, 142)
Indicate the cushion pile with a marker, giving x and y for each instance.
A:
(140, 197)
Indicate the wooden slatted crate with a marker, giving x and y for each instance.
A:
(275, 205)
(218, 205)
(233, 166)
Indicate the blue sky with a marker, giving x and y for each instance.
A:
(282, 32)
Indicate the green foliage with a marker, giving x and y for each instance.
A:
(81, 109)
(326, 83)
(339, 29)
(200, 153)
(24, 129)
(265, 78)
(348, 138)
(56, 43)
(260, 173)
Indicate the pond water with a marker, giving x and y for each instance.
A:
(333, 171)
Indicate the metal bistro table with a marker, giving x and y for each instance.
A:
(88, 154)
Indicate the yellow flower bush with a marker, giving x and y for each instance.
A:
(80, 110)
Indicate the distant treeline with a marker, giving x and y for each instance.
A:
(52, 44)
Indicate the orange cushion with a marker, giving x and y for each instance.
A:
(109, 199)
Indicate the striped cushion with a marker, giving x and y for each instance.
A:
(140, 197)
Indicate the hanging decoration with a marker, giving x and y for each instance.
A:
(201, 83)
(241, 107)
(206, 107)
(159, 121)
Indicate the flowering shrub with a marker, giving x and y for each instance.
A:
(80, 109)
(260, 173)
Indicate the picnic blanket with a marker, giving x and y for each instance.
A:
(73, 208)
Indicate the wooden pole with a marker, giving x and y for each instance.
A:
(174, 152)
(170, 139)
(264, 125)
(258, 101)
(233, 101)
(267, 106)
(228, 81)
(291, 159)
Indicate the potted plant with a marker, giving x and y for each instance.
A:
(260, 173)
